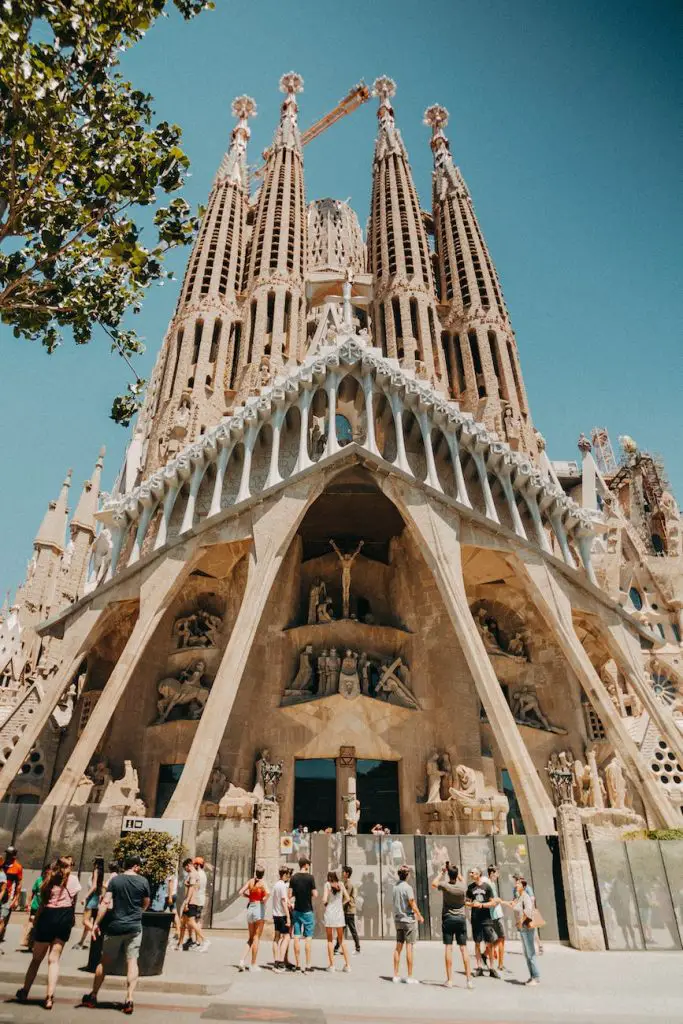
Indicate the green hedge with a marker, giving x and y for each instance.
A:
(655, 833)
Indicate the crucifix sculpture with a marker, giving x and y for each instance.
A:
(346, 563)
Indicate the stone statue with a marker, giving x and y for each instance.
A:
(272, 773)
(349, 682)
(184, 691)
(434, 776)
(323, 673)
(333, 670)
(517, 647)
(351, 814)
(259, 790)
(527, 711)
(347, 561)
(218, 783)
(486, 626)
(465, 788)
(364, 673)
(316, 595)
(582, 783)
(391, 684)
(616, 783)
(99, 772)
(264, 372)
(100, 559)
(447, 779)
(324, 610)
(512, 427)
(124, 793)
(596, 785)
(181, 420)
(303, 680)
(561, 778)
(197, 630)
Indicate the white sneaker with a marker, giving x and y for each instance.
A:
(470, 983)
(256, 968)
(346, 969)
(396, 979)
(532, 981)
(330, 970)
(242, 966)
(448, 984)
(204, 948)
(412, 981)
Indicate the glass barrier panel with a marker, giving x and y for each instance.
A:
(672, 855)
(205, 846)
(395, 850)
(8, 819)
(652, 894)
(363, 855)
(617, 898)
(512, 858)
(31, 842)
(543, 865)
(234, 866)
(439, 850)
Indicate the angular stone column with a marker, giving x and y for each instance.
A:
(554, 606)
(73, 650)
(273, 528)
(346, 769)
(267, 848)
(581, 901)
(436, 531)
(157, 591)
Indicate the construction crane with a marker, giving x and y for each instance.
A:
(355, 98)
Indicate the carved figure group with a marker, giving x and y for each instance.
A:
(352, 674)
(463, 798)
(319, 604)
(185, 691)
(581, 784)
(199, 629)
(527, 711)
(495, 641)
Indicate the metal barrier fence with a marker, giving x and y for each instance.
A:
(85, 833)
(375, 859)
(640, 889)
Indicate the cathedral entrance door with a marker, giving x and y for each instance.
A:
(315, 793)
(377, 790)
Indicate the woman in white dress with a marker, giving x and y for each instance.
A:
(334, 898)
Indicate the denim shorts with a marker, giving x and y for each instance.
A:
(256, 912)
(304, 923)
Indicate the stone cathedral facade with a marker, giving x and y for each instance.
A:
(338, 543)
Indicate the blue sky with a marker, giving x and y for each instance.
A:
(566, 122)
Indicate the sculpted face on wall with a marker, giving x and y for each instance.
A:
(351, 674)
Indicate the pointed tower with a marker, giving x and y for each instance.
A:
(191, 384)
(478, 341)
(275, 313)
(405, 319)
(83, 528)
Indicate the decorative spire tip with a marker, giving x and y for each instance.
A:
(243, 107)
(384, 87)
(436, 117)
(291, 83)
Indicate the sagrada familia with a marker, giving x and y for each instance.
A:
(338, 546)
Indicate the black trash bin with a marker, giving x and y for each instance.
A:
(155, 929)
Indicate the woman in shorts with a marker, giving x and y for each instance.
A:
(92, 901)
(334, 897)
(450, 882)
(52, 929)
(257, 894)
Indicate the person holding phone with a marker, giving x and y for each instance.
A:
(450, 882)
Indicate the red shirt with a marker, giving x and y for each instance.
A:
(15, 875)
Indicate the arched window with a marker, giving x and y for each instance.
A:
(344, 432)
(636, 599)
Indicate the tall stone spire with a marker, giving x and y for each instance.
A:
(82, 528)
(275, 315)
(52, 530)
(478, 341)
(190, 387)
(405, 303)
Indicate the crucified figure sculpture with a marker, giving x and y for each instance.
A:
(346, 563)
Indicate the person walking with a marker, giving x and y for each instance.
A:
(406, 918)
(188, 876)
(334, 895)
(350, 909)
(497, 919)
(281, 919)
(92, 901)
(303, 891)
(257, 893)
(200, 903)
(126, 899)
(450, 882)
(524, 907)
(480, 898)
(55, 918)
(32, 908)
(9, 900)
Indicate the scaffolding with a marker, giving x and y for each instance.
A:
(603, 451)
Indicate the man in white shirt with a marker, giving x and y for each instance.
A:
(281, 918)
(199, 901)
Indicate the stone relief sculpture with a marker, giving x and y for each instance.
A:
(124, 794)
(351, 815)
(465, 788)
(184, 691)
(526, 710)
(472, 807)
(197, 630)
(561, 777)
(434, 777)
(267, 777)
(352, 674)
(616, 783)
(495, 641)
(218, 782)
(346, 561)
(100, 559)
(447, 780)
(316, 595)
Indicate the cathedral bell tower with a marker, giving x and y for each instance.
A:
(193, 378)
(478, 342)
(405, 316)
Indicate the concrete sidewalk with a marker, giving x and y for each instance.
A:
(629, 988)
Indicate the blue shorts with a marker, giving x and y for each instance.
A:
(304, 923)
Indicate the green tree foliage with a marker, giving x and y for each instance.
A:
(159, 852)
(79, 156)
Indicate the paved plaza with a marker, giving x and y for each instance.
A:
(612, 988)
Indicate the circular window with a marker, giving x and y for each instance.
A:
(39, 769)
(668, 768)
(35, 756)
(656, 767)
(677, 779)
(25, 769)
(659, 755)
(665, 779)
(662, 744)
(671, 756)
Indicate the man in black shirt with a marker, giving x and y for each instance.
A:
(303, 891)
(126, 898)
(480, 898)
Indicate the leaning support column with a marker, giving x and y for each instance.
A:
(156, 592)
(73, 649)
(436, 533)
(581, 901)
(273, 529)
(625, 649)
(554, 606)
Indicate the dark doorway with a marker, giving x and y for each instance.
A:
(514, 819)
(169, 774)
(377, 788)
(315, 793)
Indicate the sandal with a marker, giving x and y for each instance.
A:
(128, 1007)
(49, 1001)
(21, 995)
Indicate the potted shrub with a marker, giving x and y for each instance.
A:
(160, 854)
